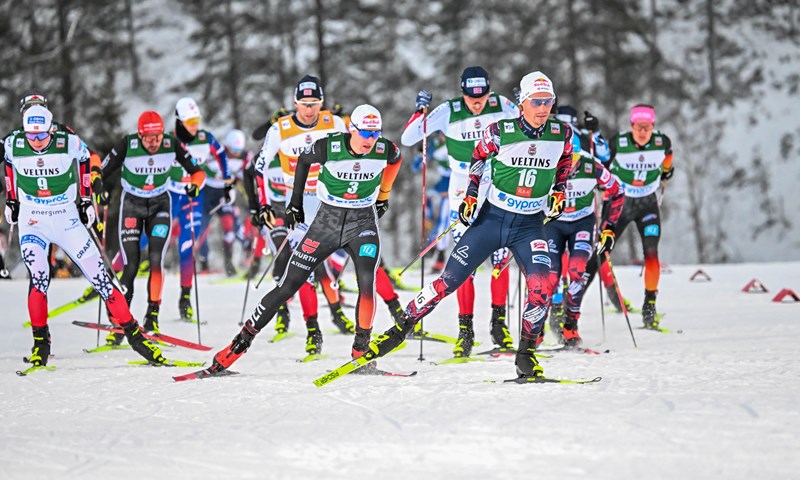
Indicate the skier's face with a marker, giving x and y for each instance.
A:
(38, 141)
(642, 132)
(536, 108)
(362, 141)
(476, 104)
(151, 142)
(308, 109)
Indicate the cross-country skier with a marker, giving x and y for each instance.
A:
(238, 158)
(530, 156)
(49, 196)
(356, 175)
(147, 158)
(463, 120)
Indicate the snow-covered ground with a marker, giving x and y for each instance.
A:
(718, 401)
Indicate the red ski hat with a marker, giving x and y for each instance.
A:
(150, 123)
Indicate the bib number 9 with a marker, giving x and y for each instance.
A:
(42, 183)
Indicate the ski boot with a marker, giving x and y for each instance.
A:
(556, 318)
(151, 318)
(204, 267)
(230, 270)
(344, 324)
(185, 304)
(314, 338)
(114, 339)
(614, 299)
(526, 363)
(282, 319)
(395, 309)
(649, 316)
(391, 338)
(360, 346)
(238, 346)
(141, 345)
(569, 331)
(500, 335)
(466, 337)
(40, 352)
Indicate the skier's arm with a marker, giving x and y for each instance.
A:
(390, 172)
(564, 162)
(249, 181)
(666, 166)
(612, 150)
(78, 150)
(314, 153)
(272, 143)
(115, 157)
(219, 153)
(184, 158)
(437, 121)
(509, 108)
(11, 188)
(339, 125)
(613, 192)
(488, 145)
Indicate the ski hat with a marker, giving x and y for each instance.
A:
(643, 113)
(567, 114)
(366, 117)
(186, 108)
(308, 87)
(37, 119)
(535, 82)
(235, 141)
(150, 123)
(475, 82)
(32, 97)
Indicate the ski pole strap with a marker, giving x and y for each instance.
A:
(429, 247)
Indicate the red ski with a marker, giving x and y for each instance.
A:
(158, 337)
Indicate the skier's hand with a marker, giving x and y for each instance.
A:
(86, 211)
(294, 216)
(381, 206)
(102, 197)
(466, 211)
(229, 194)
(667, 173)
(192, 190)
(555, 203)
(424, 98)
(12, 211)
(606, 241)
(590, 121)
(266, 217)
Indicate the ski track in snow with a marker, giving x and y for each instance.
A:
(718, 401)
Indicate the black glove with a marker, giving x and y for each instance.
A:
(424, 98)
(12, 211)
(266, 217)
(192, 190)
(255, 219)
(667, 174)
(606, 241)
(227, 193)
(86, 211)
(294, 216)
(590, 122)
(381, 206)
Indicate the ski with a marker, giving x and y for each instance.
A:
(348, 367)
(190, 320)
(660, 329)
(157, 337)
(312, 358)
(169, 363)
(526, 380)
(204, 373)
(564, 348)
(106, 348)
(36, 368)
(84, 299)
(28, 360)
(458, 360)
(433, 337)
(281, 336)
(382, 373)
(397, 281)
(499, 351)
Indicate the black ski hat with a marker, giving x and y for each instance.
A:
(32, 97)
(475, 82)
(308, 87)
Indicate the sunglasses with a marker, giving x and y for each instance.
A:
(309, 104)
(191, 122)
(368, 134)
(37, 136)
(152, 137)
(538, 102)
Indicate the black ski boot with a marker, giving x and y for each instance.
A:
(500, 334)
(527, 365)
(556, 318)
(344, 324)
(391, 338)
(40, 352)
(151, 318)
(395, 309)
(142, 346)
(649, 316)
(360, 347)
(282, 319)
(185, 304)
(466, 337)
(314, 339)
(241, 342)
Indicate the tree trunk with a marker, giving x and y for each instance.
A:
(233, 65)
(132, 55)
(318, 16)
(712, 52)
(572, 54)
(67, 109)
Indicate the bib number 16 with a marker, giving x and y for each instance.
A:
(527, 178)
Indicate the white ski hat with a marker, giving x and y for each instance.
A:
(535, 82)
(366, 117)
(186, 108)
(235, 141)
(37, 119)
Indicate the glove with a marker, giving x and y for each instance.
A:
(556, 203)
(86, 212)
(381, 206)
(192, 190)
(337, 109)
(667, 174)
(294, 215)
(255, 219)
(590, 121)
(466, 211)
(278, 114)
(606, 241)
(424, 98)
(265, 217)
(229, 194)
(12, 211)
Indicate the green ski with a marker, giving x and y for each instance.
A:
(170, 363)
(30, 370)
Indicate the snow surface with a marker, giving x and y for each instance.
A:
(718, 401)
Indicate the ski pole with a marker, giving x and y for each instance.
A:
(247, 286)
(280, 249)
(422, 230)
(100, 304)
(621, 299)
(597, 216)
(194, 266)
(429, 247)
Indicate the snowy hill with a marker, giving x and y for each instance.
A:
(717, 401)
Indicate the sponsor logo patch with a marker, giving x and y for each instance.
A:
(309, 246)
(539, 245)
(555, 128)
(582, 235)
(32, 239)
(651, 231)
(160, 231)
(508, 127)
(130, 222)
(543, 259)
(368, 250)
(368, 233)
(335, 147)
(586, 247)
